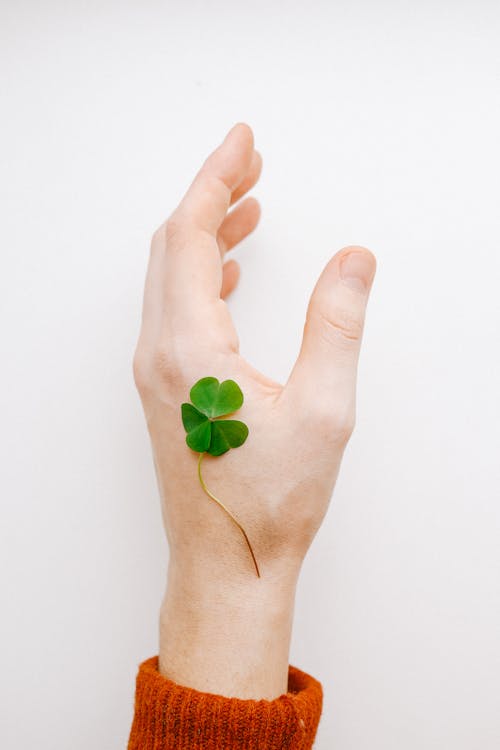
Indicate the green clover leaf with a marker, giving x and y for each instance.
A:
(210, 400)
(207, 433)
(198, 428)
(216, 399)
(226, 434)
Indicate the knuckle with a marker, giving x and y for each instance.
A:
(344, 427)
(141, 371)
(157, 368)
(335, 426)
(168, 365)
(168, 231)
(173, 227)
(339, 325)
(159, 236)
(162, 361)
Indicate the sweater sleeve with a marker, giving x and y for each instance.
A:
(168, 716)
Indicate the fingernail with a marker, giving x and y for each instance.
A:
(356, 270)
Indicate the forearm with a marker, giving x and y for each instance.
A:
(226, 636)
(222, 678)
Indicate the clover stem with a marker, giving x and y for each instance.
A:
(216, 500)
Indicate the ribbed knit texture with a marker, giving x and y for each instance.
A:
(168, 715)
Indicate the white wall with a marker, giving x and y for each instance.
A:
(379, 124)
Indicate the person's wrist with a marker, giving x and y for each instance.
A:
(225, 633)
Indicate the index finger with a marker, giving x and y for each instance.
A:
(207, 200)
(192, 256)
(185, 267)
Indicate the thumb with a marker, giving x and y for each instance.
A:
(323, 379)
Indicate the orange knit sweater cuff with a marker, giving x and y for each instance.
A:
(168, 715)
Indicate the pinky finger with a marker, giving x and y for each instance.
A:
(230, 277)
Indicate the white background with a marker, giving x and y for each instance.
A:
(379, 124)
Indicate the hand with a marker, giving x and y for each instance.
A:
(279, 483)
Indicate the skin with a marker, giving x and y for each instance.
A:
(222, 629)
